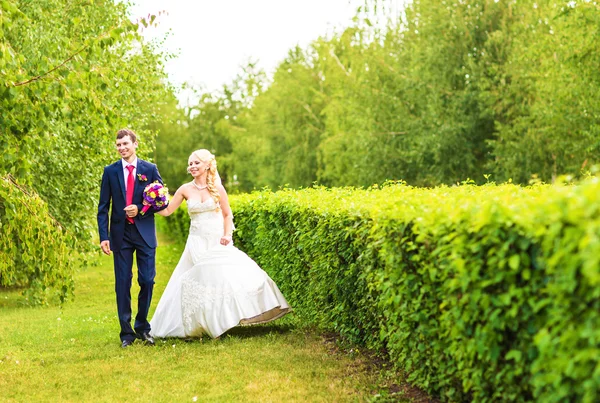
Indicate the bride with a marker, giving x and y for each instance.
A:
(215, 286)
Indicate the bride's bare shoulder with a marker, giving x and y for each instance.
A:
(184, 190)
(221, 189)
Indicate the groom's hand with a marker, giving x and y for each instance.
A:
(131, 210)
(105, 245)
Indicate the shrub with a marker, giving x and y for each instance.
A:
(486, 293)
(36, 253)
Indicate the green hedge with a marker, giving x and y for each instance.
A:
(36, 253)
(176, 226)
(487, 293)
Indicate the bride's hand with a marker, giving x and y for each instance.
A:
(225, 239)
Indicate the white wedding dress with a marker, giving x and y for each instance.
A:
(214, 287)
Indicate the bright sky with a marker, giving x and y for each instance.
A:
(214, 37)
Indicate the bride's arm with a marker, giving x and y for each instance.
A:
(227, 216)
(175, 202)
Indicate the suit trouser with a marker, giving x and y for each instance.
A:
(146, 264)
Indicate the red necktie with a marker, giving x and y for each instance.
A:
(129, 194)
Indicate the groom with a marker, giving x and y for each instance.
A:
(121, 192)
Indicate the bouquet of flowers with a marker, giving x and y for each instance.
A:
(156, 195)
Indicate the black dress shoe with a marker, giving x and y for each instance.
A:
(126, 343)
(149, 340)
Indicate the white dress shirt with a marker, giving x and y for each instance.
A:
(126, 171)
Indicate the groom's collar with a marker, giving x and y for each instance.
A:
(125, 163)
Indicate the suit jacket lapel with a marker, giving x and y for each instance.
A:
(139, 187)
(121, 176)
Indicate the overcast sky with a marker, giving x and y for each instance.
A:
(214, 37)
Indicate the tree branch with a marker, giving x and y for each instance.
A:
(332, 53)
(24, 190)
(312, 114)
(36, 78)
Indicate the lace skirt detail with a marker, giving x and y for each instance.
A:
(213, 289)
(227, 288)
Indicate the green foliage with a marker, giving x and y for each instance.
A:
(478, 293)
(213, 123)
(447, 90)
(65, 89)
(71, 75)
(177, 226)
(542, 87)
(287, 119)
(36, 252)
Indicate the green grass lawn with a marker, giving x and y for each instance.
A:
(74, 354)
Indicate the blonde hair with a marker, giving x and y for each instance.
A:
(211, 172)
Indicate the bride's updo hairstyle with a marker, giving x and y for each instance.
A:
(211, 171)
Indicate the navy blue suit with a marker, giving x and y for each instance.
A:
(126, 238)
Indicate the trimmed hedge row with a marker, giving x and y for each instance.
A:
(176, 226)
(485, 293)
(35, 251)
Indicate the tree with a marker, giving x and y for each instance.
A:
(66, 89)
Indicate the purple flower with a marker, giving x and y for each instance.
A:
(155, 195)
